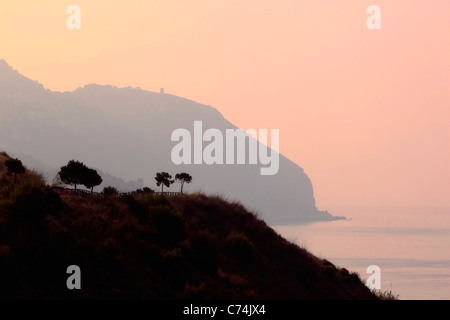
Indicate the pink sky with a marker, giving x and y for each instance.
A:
(365, 113)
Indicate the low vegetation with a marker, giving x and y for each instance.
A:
(150, 246)
(385, 295)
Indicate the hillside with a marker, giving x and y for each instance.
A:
(151, 247)
(127, 132)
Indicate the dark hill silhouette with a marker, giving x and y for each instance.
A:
(152, 247)
(127, 133)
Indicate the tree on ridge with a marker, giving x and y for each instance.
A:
(163, 179)
(15, 167)
(183, 178)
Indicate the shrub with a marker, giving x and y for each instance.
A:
(145, 190)
(352, 278)
(330, 272)
(151, 200)
(136, 208)
(32, 201)
(167, 223)
(239, 246)
(110, 192)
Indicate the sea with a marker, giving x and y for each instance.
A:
(411, 246)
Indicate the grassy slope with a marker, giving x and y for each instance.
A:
(152, 247)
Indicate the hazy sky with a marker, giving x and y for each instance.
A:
(365, 112)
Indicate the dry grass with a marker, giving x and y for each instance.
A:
(385, 295)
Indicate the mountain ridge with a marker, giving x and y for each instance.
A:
(127, 132)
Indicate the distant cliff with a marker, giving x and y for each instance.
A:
(127, 133)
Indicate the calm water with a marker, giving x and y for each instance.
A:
(411, 246)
